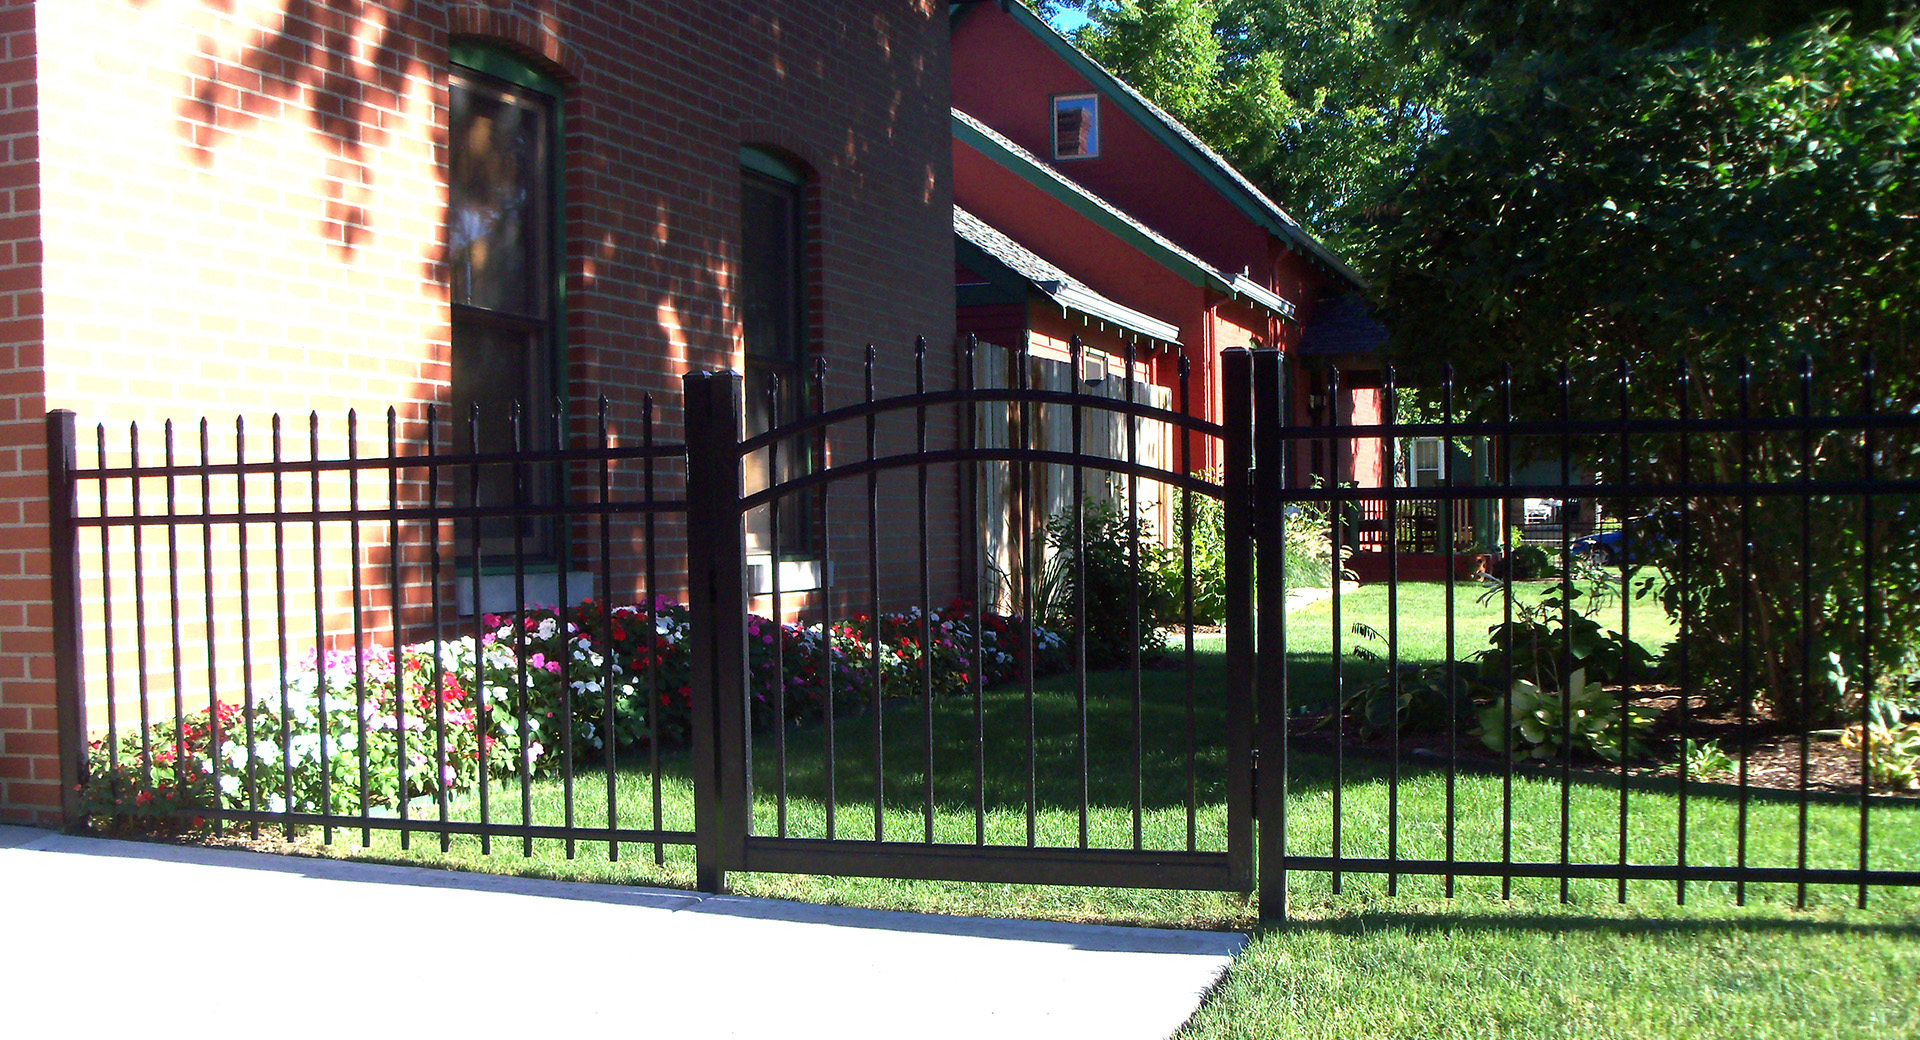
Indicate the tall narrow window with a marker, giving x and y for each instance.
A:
(772, 304)
(1076, 126)
(1428, 465)
(502, 175)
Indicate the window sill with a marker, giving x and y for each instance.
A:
(542, 590)
(795, 575)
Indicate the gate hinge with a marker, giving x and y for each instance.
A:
(1253, 778)
(1247, 499)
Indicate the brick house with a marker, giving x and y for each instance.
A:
(294, 206)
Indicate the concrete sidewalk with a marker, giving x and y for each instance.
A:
(128, 938)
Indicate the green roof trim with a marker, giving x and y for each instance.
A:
(976, 136)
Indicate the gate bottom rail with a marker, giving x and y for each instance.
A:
(1041, 865)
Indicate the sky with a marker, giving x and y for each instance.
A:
(1068, 21)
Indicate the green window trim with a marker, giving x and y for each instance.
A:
(491, 60)
(761, 161)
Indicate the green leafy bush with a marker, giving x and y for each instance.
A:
(1425, 697)
(1892, 746)
(1208, 558)
(1309, 550)
(1534, 723)
(1527, 562)
(1555, 636)
(1105, 550)
(1705, 758)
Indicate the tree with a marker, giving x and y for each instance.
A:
(1318, 102)
(1646, 189)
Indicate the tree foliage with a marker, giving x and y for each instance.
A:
(1631, 186)
(1658, 203)
(1320, 103)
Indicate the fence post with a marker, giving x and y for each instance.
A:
(717, 595)
(63, 505)
(1236, 390)
(1270, 569)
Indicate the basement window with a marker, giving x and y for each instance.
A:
(1076, 126)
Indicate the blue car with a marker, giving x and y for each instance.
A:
(1610, 548)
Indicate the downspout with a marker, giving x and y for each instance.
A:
(1210, 452)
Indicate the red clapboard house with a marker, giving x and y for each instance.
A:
(1083, 209)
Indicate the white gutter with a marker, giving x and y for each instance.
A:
(1244, 286)
(1091, 303)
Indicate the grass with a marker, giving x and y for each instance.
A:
(1362, 961)
(1471, 969)
(1416, 616)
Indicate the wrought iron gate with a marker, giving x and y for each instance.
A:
(1008, 784)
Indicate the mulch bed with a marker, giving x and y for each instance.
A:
(1772, 753)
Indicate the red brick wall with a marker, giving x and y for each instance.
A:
(29, 774)
(241, 207)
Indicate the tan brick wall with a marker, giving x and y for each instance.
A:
(240, 208)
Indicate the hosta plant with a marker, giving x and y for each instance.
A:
(1533, 723)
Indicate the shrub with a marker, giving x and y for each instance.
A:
(1892, 746)
(1527, 562)
(1309, 550)
(1546, 640)
(1106, 549)
(1426, 698)
(1208, 558)
(1534, 723)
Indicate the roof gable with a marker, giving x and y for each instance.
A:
(974, 134)
(1213, 169)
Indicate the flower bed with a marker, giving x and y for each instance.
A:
(348, 732)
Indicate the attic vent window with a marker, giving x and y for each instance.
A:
(1076, 126)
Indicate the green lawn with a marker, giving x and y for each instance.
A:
(1356, 963)
(1416, 615)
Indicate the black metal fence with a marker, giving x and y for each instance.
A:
(1713, 691)
(825, 646)
(348, 643)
